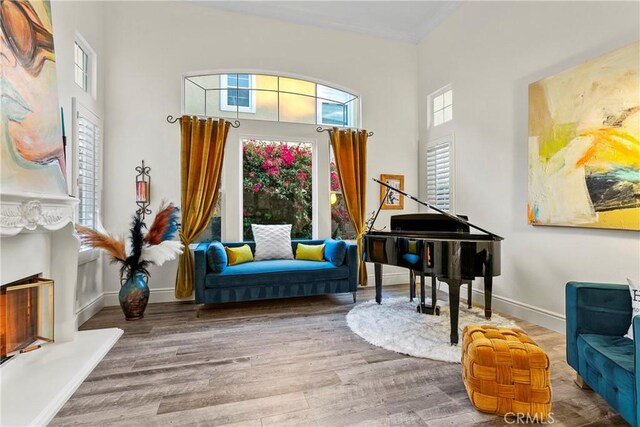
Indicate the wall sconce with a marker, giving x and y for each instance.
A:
(334, 197)
(143, 190)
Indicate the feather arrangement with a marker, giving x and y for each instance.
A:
(140, 251)
(164, 225)
(113, 246)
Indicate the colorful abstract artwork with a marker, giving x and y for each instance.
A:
(584, 144)
(31, 150)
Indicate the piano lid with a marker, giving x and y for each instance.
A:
(427, 222)
(429, 205)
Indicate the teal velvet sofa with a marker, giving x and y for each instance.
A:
(272, 279)
(598, 317)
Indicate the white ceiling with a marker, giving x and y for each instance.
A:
(407, 21)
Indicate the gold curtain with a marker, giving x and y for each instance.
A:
(202, 153)
(350, 151)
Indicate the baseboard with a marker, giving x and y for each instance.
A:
(155, 295)
(530, 313)
(390, 278)
(89, 310)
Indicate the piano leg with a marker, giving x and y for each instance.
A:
(412, 285)
(423, 307)
(434, 296)
(488, 285)
(469, 294)
(377, 267)
(454, 302)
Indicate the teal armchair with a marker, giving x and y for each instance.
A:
(598, 317)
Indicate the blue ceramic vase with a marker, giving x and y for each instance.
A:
(133, 296)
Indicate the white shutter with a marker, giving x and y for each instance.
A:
(88, 167)
(439, 175)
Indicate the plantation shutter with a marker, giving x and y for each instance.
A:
(88, 179)
(439, 176)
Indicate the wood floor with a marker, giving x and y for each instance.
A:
(289, 362)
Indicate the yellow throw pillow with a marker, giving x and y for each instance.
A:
(239, 255)
(310, 252)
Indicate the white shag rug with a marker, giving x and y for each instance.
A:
(396, 325)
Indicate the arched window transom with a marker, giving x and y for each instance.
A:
(269, 97)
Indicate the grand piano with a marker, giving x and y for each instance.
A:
(438, 245)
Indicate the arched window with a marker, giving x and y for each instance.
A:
(269, 97)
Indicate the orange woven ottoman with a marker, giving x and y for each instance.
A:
(505, 372)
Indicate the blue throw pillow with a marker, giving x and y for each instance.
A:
(334, 251)
(216, 257)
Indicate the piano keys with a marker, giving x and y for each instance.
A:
(440, 246)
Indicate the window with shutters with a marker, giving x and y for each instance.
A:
(88, 165)
(439, 173)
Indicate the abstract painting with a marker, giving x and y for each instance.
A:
(31, 151)
(584, 144)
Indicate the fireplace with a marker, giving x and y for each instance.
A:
(26, 315)
(37, 242)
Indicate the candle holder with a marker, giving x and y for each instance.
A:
(143, 190)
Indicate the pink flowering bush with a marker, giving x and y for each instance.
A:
(276, 184)
(341, 227)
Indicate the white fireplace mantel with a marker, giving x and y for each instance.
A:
(30, 212)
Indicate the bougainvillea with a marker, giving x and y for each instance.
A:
(340, 225)
(276, 184)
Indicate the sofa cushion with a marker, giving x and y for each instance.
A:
(272, 241)
(335, 251)
(239, 255)
(310, 252)
(606, 364)
(276, 272)
(634, 289)
(217, 257)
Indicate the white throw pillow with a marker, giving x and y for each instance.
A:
(272, 241)
(634, 288)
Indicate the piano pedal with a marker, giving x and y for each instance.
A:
(428, 309)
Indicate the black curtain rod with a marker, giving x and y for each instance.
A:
(320, 129)
(235, 124)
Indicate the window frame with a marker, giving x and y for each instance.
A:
(432, 110)
(434, 144)
(354, 111)
(82, 68)
(322, 103)
(87, 253)
(224, 94)
(91, 71)
(314, 176)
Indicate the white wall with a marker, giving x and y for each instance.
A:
(150, 45)
(85, 19)
(490, 52)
